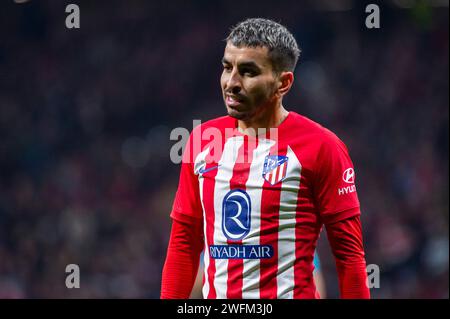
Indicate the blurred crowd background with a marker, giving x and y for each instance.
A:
(86, 114)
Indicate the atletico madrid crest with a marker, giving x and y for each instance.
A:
(275, 167)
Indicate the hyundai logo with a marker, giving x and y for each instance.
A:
(349, 176)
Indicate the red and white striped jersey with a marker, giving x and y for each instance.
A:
(263, 201)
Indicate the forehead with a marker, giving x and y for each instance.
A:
(236, 55)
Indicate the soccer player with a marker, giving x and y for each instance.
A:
(256, 186)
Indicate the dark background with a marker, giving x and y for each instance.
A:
(85, 118)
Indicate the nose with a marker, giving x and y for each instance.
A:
(234, 85)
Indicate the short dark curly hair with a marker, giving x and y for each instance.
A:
(258, 32)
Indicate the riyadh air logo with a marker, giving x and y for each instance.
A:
(236, 210)
(349, 176)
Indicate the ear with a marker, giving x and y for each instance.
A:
(285, 80)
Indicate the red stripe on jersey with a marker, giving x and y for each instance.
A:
(241, 172)
(270, 208)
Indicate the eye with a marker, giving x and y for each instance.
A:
(227, 67)
(248, 72)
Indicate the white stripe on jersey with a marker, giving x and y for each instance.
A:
(199, 162)
(222, 187)
(250, 278)
(286, 229)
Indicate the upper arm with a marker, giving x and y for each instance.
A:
(187, 199)
(334, 182)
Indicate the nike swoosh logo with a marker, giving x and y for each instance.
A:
(202, 171)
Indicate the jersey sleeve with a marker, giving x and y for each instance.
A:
(334, 183)
(187, 203)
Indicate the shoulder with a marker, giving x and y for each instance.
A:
(313, 133)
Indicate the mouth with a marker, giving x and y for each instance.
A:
(233, 101)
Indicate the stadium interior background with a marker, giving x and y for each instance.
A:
(85, 118)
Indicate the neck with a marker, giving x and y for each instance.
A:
(271, 117)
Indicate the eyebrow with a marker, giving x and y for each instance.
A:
(248, 64)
